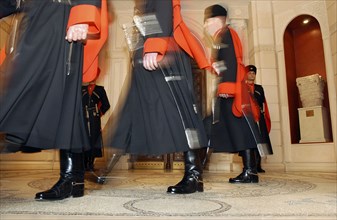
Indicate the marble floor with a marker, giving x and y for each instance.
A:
(141, 194)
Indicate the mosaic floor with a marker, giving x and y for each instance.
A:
(141, 194)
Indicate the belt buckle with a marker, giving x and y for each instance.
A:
(63, 1)
(225, 95)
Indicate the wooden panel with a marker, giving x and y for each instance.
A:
(48, 159)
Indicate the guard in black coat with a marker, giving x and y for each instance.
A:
(95, 104)
(264, 119)
(41, 79)
(230, 131)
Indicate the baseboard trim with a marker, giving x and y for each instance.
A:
(314, 167)
(29, 165)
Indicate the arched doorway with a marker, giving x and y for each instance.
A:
(304, 56)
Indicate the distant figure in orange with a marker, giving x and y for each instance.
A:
(95, 104)
(257, 92)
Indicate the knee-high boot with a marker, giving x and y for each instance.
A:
(88, 161)
(71, 182)
(258, 162)
(192, 180)
(249, 173)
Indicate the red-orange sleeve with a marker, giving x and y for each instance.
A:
(156, 45)
(241, 72)
(86, 14)
(2, 55)
(93, 46)
(267, 116)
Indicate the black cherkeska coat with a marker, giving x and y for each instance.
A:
(261, 100)
(95, 104)
(7, 7)
(231, 134)
(150, 123)
(41, 84)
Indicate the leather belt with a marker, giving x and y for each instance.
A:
(63, 1)
(226, 96)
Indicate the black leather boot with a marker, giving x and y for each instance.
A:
(192, 180)
(71, 182)
(88, 161)
(249, 173)
(258, 162)
(90, 165)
